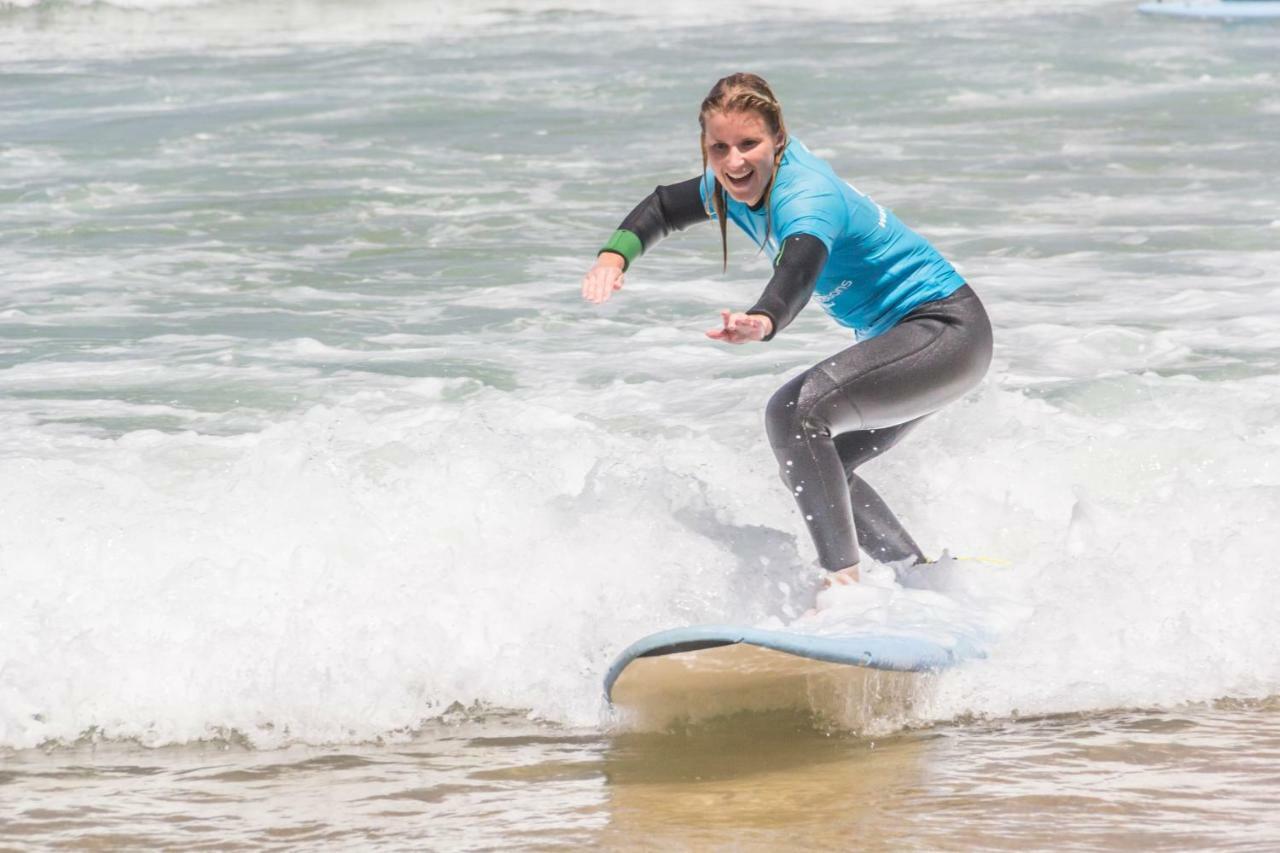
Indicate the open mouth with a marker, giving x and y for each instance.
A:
(740, 181)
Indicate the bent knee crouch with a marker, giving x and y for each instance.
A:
(801, 408)
(780, 417)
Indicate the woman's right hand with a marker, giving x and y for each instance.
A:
(604, 278)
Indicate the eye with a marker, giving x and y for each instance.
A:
(719, 147)
(748, 144)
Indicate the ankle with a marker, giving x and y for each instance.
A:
(842, 577)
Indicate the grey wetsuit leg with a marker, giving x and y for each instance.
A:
(933, 356)
(880, 534)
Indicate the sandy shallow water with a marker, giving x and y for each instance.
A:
(1196, 778)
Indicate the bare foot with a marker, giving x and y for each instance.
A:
(844, 577)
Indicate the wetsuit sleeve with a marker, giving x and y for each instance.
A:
(668, 208)
(795, 273)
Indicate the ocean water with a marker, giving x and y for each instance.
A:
(308, 442)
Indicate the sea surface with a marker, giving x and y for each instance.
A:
(326, 502)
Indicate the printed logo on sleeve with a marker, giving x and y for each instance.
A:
(825, 299)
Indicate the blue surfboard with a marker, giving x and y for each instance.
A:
(709, 670)
(1219, 10)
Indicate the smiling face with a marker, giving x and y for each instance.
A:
(741, 152)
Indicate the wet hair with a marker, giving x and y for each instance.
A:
(742, 93)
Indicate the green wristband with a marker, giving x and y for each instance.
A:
(626, 244)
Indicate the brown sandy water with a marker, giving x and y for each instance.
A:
(1195, 778)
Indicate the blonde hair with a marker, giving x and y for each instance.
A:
(742, 93)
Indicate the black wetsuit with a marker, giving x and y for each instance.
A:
(851, 407)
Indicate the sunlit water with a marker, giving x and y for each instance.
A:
(305, 435)
(1136, 780)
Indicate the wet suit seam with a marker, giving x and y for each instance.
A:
(830, 492)
(934, 338)
(837, 389)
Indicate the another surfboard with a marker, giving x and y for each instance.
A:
(711, 670)
(1220, 10)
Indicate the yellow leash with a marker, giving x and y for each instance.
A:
(989, 561)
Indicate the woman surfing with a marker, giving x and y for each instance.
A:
(922, 336)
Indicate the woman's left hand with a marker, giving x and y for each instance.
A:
(740, 328)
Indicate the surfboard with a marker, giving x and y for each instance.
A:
(1221, 10)
(710, 670)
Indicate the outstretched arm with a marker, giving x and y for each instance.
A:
(666, 209)
(795, 273)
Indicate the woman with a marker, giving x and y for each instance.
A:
(923, 338)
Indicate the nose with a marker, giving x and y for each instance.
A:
(735, 159)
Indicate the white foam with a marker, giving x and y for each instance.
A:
(348, 572)
(339, 576)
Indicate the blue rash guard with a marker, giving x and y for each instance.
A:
(872, 274)
(877, 271)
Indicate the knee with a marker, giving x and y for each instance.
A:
(791, 415)
(780, 419)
